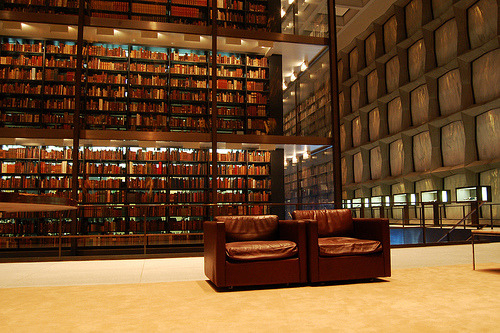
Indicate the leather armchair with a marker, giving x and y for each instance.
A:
(344, 248)
(254, 250)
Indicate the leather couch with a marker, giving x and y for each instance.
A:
(344, 248)
(255, 250)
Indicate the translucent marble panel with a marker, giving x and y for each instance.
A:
(483, 20)
(356, 132)
(422, 151)
(413, 17)
(353, 61)
(416, 60)
(355, 96)
(450, 92)
(453, 143)
(446, 39)
(392, 74)
(419, 104)
(358, 167)
(376, 163)
(486, 77)
(342, 104)
(340, 70)
(343, 168)
(390, 33)
(342, 137)
(370, 46)
(488, 134)
(439, 7)
(374, 124)
(372, 86)
(395, 115)
(397, 156)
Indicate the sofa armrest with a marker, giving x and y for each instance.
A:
(214, 244)
(371, 228)
(376, 229)
(295, 230)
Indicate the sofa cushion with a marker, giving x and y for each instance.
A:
(331, 222)
(261, 250)
(344, 246)
(250, 228)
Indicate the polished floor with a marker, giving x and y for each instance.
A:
(100, 272)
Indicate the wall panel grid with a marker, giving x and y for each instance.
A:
(425, 63)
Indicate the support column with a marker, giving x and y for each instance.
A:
(334, 87)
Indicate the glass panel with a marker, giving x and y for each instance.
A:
(395, 115)
(482, 20)
(304, 18)
(305, 86)
(422, 151)
(416, 60)
(453, 143)
(69, 7)
(38, 89)
(446, 41)
(419, 105)
(450, 92)
(488, 135)
(374, 124)
(486, 77)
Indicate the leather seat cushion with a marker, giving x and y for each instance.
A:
(261, 250)
(344, 246)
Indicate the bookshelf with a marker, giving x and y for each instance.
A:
(67, 7)
(37, 80)
(124, 177)
(131, 87)
(34, 170)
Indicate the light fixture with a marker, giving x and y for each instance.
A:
(285, 163)
(284, 85)
(294, 159)
(290, 2)
(293, 77)
(303, 66)
(305, 155)
(283, 13)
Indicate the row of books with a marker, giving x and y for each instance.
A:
(32, 167)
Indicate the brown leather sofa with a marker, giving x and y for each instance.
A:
(255, 250)
(343, 248)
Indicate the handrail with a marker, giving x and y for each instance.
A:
(462, 220)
